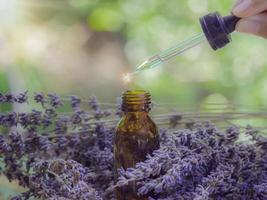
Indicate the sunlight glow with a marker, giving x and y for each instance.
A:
(8, 12)
(127, 78)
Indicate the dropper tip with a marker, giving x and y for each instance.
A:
(142, 67)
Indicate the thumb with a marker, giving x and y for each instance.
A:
(256, 25)
(247, 8)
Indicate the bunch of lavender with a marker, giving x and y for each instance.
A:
(203, 163)
(58, 155)
(81, 140)
(60, 179)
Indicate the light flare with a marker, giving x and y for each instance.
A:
(127, 78)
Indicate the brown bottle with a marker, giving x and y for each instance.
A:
(136, 136)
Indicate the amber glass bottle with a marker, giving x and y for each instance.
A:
(136, 136)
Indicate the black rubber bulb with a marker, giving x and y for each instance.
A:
(217, 29)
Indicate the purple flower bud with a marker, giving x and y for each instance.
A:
(40, 98)
(11, 119)
(9, 98)
(55, 100)
(75, 102)
(22, 97)
(93, 103)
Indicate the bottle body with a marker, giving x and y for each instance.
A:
(136, 136)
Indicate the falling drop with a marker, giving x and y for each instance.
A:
(127, 78)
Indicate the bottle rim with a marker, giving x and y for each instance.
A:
(136, 100)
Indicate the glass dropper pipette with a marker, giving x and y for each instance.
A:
(168, 54)
(216, 30)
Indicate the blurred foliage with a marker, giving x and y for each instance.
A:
(237, 72)
(83, 47)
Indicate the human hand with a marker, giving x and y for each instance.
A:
(254, 16)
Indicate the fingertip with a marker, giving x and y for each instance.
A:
(247, 26)
(242, 9)
(240, 15)
(256, 25)
(248, 8)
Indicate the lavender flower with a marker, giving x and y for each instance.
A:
(9, 98)
(75, 102)
(57, 179)
(22, 97)
(93, 103)
(59, 155)
(55, 100)
(40, 98)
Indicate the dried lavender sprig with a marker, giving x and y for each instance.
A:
(189, 164)
(174, 180)
(10, 98)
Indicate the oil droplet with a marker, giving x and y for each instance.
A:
(127, 78)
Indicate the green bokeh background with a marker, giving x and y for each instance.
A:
(45, 33)
(139, 29)
(84, 47)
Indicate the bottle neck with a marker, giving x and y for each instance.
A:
(137, 101)
(135, 116)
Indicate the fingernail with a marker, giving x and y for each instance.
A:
(242, 6)
(248, 26)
